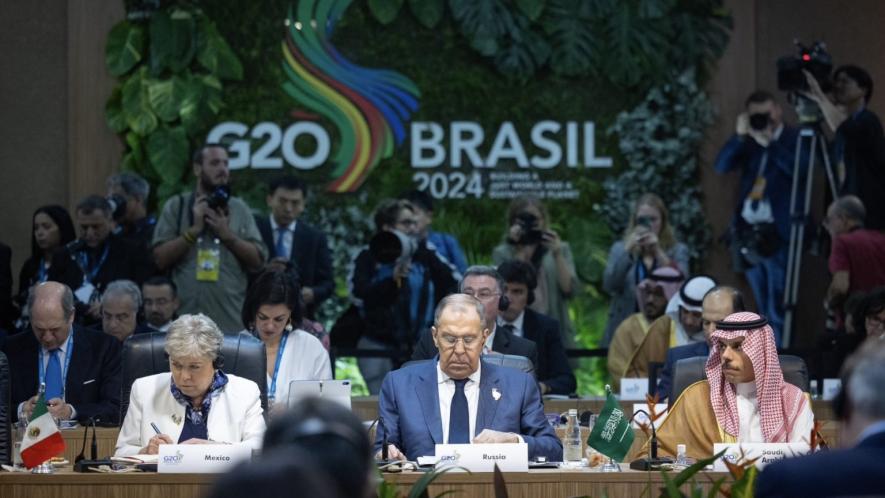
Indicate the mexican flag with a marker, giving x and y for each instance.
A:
(42, 440)
(611, 435)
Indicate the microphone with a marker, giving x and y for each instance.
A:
(82, 454)
(384, 455)
(94, 448)
(80, 463)
(652, 462)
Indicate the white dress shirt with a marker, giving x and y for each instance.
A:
(750, 430)
(446, 387)
(287, 237)
(517, 324)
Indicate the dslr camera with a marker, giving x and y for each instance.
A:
(219, 197)
(531, 234)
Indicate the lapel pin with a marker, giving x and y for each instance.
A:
(496, 394)
(176, 418)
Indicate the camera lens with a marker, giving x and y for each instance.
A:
(759, 121)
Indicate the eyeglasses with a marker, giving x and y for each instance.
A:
(450, 341)
(483, 294)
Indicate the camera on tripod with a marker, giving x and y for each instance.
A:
(814, 59)
(791, 78)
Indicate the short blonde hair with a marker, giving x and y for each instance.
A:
(194, 336)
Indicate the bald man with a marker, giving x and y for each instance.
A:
(80, 367)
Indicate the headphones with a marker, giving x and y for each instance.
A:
(218, 362)
(503, 302)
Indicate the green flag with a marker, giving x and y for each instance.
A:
(612, 435)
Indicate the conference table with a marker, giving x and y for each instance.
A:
(535, 483)
(542, 483)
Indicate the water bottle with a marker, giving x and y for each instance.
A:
(681, 459)
(571, 440)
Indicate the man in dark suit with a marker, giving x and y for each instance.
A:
(97, 258)
(79, 367)
(460, 399)
(293, 243)
(485, 284)
(718, 303)
(855, 471)
(555, 375)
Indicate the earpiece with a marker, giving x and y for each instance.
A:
(218, 362)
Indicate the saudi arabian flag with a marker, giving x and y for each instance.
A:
(611, 435)
(42, 440)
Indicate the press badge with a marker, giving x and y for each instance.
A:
(208, 261)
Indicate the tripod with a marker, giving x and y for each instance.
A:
(811, 140)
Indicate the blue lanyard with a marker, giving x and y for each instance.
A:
(41, 271)
(272, 393)
(69, 350)
(84, 261)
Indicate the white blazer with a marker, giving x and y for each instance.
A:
(235, 416)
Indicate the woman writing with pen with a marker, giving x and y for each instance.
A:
(196, 402)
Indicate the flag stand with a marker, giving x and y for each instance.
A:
(610, 466)
(44, 468)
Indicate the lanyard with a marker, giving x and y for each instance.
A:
(84, 262)
(272, 394)
(69, 350)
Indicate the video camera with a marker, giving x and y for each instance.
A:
(791, 79)
(815, 60)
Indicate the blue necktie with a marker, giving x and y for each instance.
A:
(459, 416)
(280, 248)
(53, 380)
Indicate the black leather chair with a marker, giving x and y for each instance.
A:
(144, 354)
(6, 412)
(502, 360)
(690, 370)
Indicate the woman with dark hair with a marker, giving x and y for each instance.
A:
(530, 239)
(52, 230)
(648, 244)
(272, 306)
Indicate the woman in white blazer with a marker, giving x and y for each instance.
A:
(195, 403)
(272, 305)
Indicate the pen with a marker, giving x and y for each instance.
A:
(156, 429)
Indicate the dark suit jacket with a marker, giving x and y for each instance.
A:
(856, 471)
(552, 366)
(505, 342)
(125, 260)
(310, 254)
(93, 381)
(690, 350)
(409, 408)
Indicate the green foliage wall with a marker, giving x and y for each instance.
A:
(487, 61)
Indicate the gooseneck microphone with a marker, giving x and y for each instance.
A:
(652, 462)
(82, 455)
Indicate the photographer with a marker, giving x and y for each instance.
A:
(763, 147)
(396, 284)
(648, 244)
(859, 145)
(530, 239)
(208, 242)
